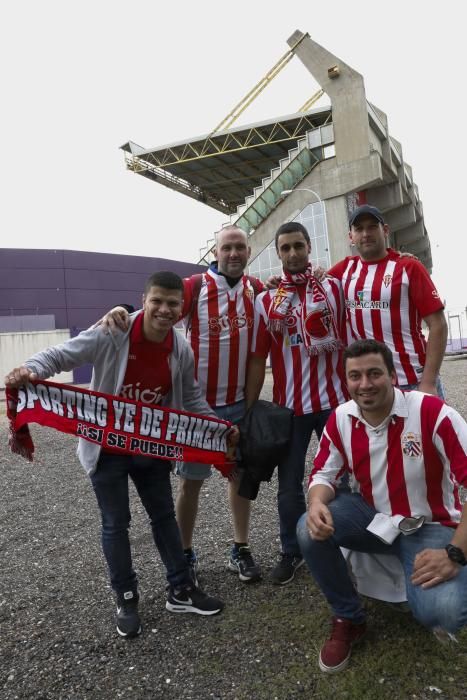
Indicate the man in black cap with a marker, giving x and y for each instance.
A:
(387, 296)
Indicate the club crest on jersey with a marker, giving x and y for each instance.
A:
(411, 445)
(387, 279)
(279, 298)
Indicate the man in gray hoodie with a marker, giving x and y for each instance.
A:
(152, 363)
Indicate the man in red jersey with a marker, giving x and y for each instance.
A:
(387, 296)
(406, 453)
(218, 316)
(299, 324)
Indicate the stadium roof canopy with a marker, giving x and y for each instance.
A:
(223, 168)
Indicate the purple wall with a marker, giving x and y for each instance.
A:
(76, 287)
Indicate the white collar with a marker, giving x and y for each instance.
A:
(399, 408)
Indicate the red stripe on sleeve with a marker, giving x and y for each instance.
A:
(338, 269)
(321, 457)
(429, 412)
(423, 292)
(330, 436)
(454, 450)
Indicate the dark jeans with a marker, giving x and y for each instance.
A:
(291, 471)
(151, 478)
(444, 605)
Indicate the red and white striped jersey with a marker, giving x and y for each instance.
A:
(220, 329)
(386, 300)
(410, 465)
(305, 383)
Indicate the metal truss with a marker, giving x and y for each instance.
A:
(142, 167)
(233, 142)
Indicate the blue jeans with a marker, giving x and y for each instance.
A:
(291, 471)
(444, 605)
(151, 478)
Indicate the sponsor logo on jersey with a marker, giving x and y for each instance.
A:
(292, 340)
(411, 445)
(217, 324)
(361, 303)
(147, 395)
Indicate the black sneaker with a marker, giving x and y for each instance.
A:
(128, 620)
(191, 599)
(243, 563)
(284, 571)
(192, 561)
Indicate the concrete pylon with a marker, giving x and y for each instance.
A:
(346, 90)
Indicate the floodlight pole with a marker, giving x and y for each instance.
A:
(284, 193)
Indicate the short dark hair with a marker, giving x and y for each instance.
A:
(365, 347)
(164, 279)
(292, 227)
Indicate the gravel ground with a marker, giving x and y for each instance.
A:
(58, 638)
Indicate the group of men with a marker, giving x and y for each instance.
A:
(398, 455)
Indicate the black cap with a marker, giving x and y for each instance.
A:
(366, 209)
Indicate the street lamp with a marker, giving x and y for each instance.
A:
(284, 193)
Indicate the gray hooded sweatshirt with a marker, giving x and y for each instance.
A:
(108, 355)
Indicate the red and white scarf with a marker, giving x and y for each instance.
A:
(318, 322)
(118, 425)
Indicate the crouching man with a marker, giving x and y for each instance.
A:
(151, 357)
(406, 454)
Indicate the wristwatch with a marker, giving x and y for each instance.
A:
(456, 554)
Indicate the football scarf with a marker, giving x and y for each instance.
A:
(319, 325)
(118, 425)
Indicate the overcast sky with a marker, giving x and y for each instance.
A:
(81, 78)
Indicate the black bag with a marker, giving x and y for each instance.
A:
(265, 432)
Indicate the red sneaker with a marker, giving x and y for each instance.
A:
(335, 653)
